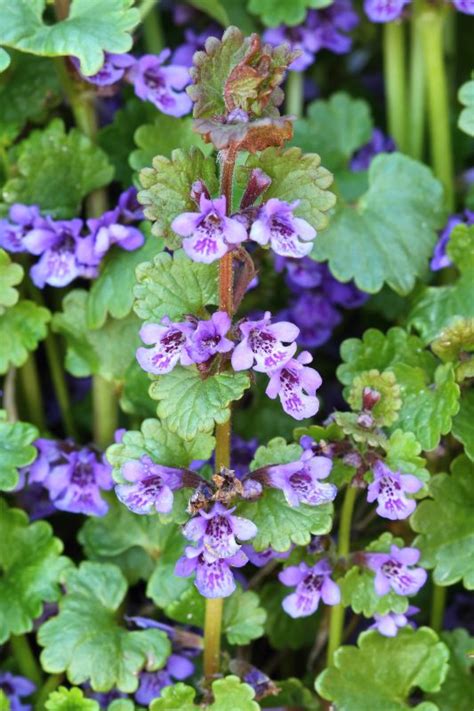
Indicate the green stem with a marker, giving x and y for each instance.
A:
(145, 7)
(153, 32)
(9, 395)
(395, 81)
(32, 393)
(430, 23)
(59, 384)
(105, 412)
(50, 685)
(26, 660)
(336, 622)
(438, 603)
(294, 92)
(417, 89)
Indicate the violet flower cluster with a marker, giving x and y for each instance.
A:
(389, 489)
(389, 624)
(389, 10)
(152, 80)
(440, 258)
(16, 687)
(395, 571)
(316, 299)
(322, 29)
(73, 476)
(301, 482)
(311, 584)
(69, 249)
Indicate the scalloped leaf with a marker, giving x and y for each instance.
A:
(438, 306)
(295, 176)
(84, 34)
(392, 668)
(357, 585)
(112, 292)
(167, 187)
(70, 700)
(284, 632)
(16, 450)
(457, 691)
(463, 423)
(229, 694)
(85, 639)
(277, 451)
(107, 351)
(190, 405)
(281, 12)
(22, 327)
(336, 128)
(11, 275)
(403, 450)
(466, 98)
(403, 199)
(174, 286)
(56, 170)
(31, 570)
(446, 526)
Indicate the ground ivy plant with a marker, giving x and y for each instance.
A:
(237, 355)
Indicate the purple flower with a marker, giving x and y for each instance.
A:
(14, 687)
(112, 70)
(300, 480)
(312, 584)
(346, 295)
(12, 231)
(103, 698)
(209, 338)
(130, 209)
(149, 486)
(440, 258)
(261, 558)
(299, 38)
(50, 453)
(379, 143)
(183, 54)
(393, 571)
(209, 232)
(168, 341)
(214, 577)
(217, 531)
(388, 625)
(58, 243)
(242, 452)
(296, 386)
(177, 668)
(162, 86)
(384, 10)
(302, 273)
(390, 489)
(315, 316)
(276, 224)
(75, 486)
(105, 231)
(262, 344)
(465, 6)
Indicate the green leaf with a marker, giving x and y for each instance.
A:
(462, 423)
(403, 452)
(84, 34)
(292, 695)
(277, 451)
(30, 570)
(213, 8)
(295, 176)
(4, 63)
(281, 12)
(70, 700)
(229, 693)
(279, 525)
(116, 138)
(107, 352)
(283, 631)
(357, 585)
(381, 672)
(56, 170)
(161, 137)
(11, 274)
(134, 399)
(16, 450)
(167, 187)
(112, 292)
(190, 405)
(243, 618)
(446, 526)
(21, 328)
(164, 587)
(27, 90)
(403, 199)
(121, 705)
(162, 445)
(466, 117)
(457, 692)
(335, 128)
(85, 639)
(174, 286)
(438, 306)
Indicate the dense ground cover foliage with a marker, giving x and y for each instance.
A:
(236, 347)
